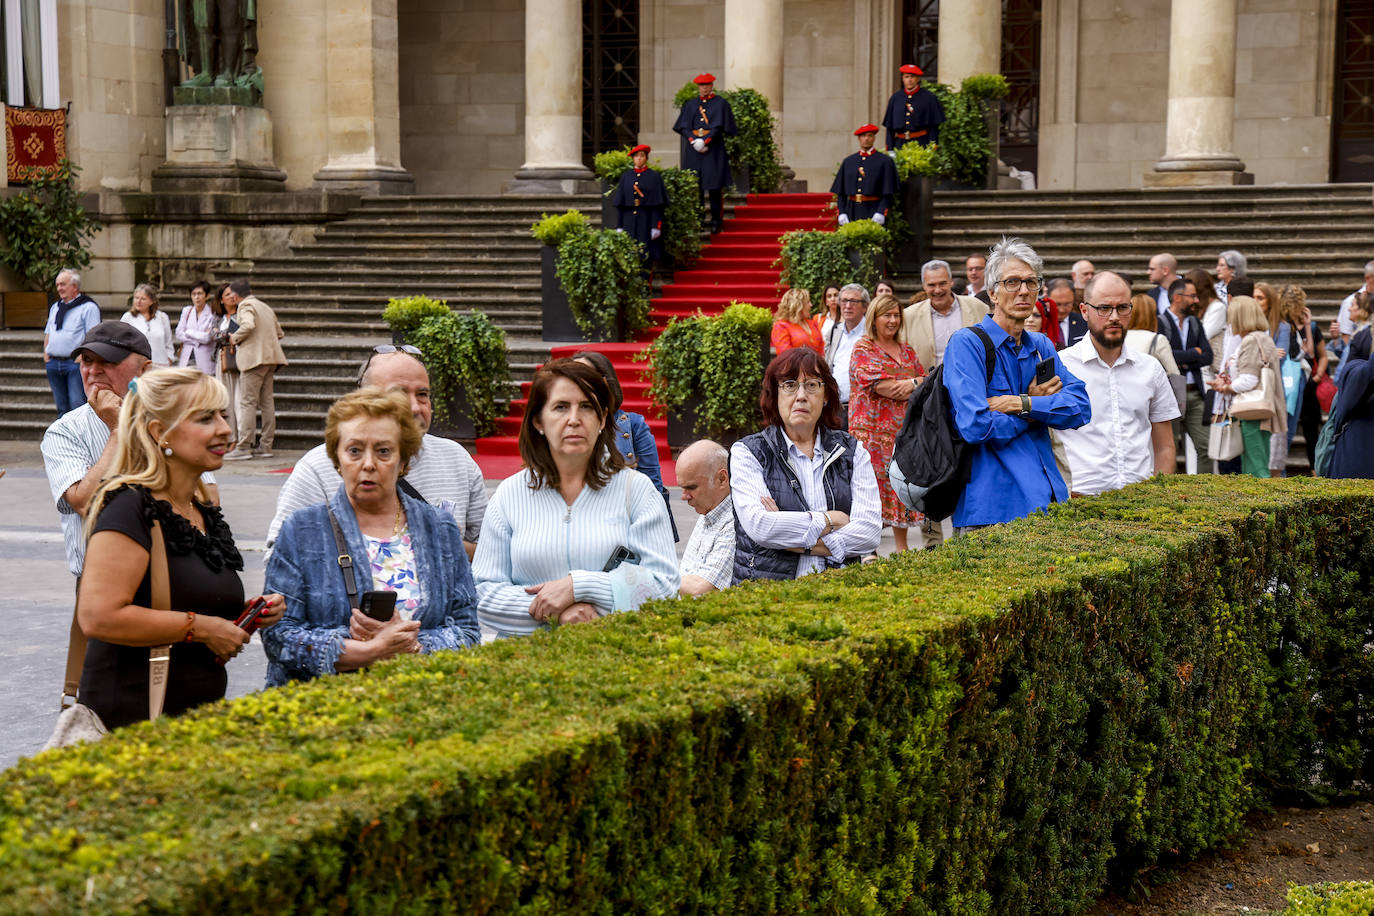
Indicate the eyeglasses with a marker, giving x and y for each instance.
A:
(813, 386)
(1014, 284)
(403, 348)
(851, 302)
(1106, 311)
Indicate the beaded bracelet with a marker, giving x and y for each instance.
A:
(190, 625)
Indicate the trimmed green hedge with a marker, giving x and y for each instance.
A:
(1002, 725)
(1347, 898)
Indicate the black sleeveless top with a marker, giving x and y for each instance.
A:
(203, 576)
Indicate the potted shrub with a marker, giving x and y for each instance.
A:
(682, 223)
(405, 314)
(707, 373)
(753, 152)
(469, 371)
(44, 229)
(865, 245)
(558, 323)
(916, 169)
(603, 278)
(965, 150)
(814, 259)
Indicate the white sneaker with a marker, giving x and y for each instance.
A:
(262, 453)
(238, 454)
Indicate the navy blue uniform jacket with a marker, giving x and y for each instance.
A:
(920, 110)
(639, 200)
(711, 120)
(872, 175)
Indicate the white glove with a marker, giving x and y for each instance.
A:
(879, 218)
(618, 229)
(699, 145)
(844, 219)
(655, 233)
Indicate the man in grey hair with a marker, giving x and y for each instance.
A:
(1346, 326)
(843, 336)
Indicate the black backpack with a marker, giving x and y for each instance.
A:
(930, 461)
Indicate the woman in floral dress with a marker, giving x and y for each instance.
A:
(883, 372)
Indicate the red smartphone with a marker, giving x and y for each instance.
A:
(248, 620)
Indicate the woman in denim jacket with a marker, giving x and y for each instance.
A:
(397, 543)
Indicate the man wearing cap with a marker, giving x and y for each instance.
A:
(913, 114)
(80, 446)
(639, 200)
(70, 318)
(866, 182)
(704, 123)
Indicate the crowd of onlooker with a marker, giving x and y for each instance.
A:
(385, 541)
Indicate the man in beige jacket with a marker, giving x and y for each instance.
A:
(928, 325)
(257, 346)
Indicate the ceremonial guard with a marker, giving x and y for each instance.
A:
(639, 199)
(913, 113)
(866, 182)
(704, 123)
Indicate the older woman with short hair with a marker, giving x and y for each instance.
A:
(793, 325)
(804, 491)
(575, 534)
(144, 314)
(1231, 265)
(396, 544)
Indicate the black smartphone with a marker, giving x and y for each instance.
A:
(377, 605)
(618, 556)
(1044, 370)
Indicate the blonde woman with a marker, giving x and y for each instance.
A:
(1243, 371)
(171, 430)
(1143, 334)
(793, 326)
(145, 315)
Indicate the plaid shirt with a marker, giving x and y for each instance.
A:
(710, 551)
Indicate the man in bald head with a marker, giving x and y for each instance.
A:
(703, 472)
(442, 473)
(1162, 272)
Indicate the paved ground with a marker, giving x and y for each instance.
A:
(33, 572)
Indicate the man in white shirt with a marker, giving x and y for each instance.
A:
(1162, 272)
(442, 474)
(928, 326)
(974, 267)
(1082, 272)
(846, 333)
(703, 472)
(1130, 435)
(1346, 325)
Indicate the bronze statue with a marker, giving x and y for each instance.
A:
(219, 42)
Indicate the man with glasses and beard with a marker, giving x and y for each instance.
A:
(1130, 435)
(1006, 420)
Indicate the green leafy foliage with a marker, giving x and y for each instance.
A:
(716, 361)
(403, 315)
(985, 86)
(555, 229)
(964, 147)
(610, 165)
(602, 275)
(915, 159)
(1347, 898)
(681, 218)
(812, 259)
(467, 358)
(1003, 725)
(45, 228)
(754, 145)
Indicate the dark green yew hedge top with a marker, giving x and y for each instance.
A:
(1000, 726)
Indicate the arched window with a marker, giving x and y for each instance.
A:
(29, 74)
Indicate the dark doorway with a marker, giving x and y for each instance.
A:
(610, 75)
(1352, 105)
(1020, 65)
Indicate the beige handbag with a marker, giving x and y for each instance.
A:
(78, 722)
(1257, 403)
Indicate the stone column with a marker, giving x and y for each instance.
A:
(553, 100)
(970, 40)
(753, 56)
(1200, 129)
(363, 116)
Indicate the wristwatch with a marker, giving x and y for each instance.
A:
(1025, 413)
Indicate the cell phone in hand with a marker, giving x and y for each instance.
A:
(248, 620)
(377, 605)
(618, 556)
(1044, 370)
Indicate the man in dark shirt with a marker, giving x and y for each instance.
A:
(639, 200)
(866, 182)
(913, 114)
(704, 123)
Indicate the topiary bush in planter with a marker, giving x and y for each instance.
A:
(814, 259)
(469, 369)
(598, 271)
(403, 315)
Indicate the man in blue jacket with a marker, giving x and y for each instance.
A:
(1007, 421)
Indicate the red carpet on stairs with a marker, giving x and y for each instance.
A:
(737, 264)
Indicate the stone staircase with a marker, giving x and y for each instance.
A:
(1317, 236)
(476, 252)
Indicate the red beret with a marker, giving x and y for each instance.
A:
(703, 78)
(642, 148)
(867, 129)
(912, 68)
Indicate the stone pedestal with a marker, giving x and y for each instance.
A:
(1197, 178)
(218, 148)
(366, 179)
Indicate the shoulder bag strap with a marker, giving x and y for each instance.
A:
(159, 657)
(408, 488)
(989, 356)
(345, 560)
(76, 658)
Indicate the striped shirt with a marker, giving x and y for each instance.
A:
(532, 536)
(710, 551)
(71, 447)
(442, 471)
